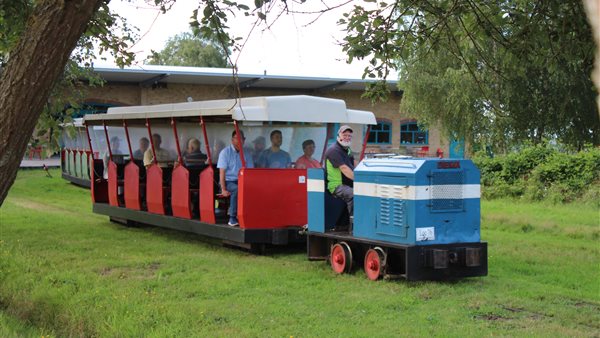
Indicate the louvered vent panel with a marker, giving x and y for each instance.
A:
(391, 208)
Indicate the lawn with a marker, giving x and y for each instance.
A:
(65, 271)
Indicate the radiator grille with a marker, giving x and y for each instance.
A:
(447, 190)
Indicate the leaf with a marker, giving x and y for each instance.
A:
(207, 11)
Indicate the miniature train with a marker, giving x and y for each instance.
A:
(414, 218)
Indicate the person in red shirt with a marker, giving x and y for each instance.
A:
(306, 161)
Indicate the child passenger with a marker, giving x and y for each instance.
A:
(307, 161)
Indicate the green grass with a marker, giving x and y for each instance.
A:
(65, 271)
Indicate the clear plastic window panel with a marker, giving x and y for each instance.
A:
(258, 138)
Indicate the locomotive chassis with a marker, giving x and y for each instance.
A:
(411, 262)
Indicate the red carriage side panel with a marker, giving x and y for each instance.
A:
(98, 185)
(207, 195)
(272, 198)
(154, 190)
(180, 193)
(132, 186)
(113, 184)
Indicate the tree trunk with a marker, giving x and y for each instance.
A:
(33, 67)
(592, 8)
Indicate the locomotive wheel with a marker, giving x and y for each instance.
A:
(341, 258)
(374, 263)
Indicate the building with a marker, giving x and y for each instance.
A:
(147, 85)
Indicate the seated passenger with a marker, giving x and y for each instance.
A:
(339, 167)
(162, 155)
(218, 145)
(259, 147)
(307, 161)
(274, 157)
(192, 156)
(229, 165)
(144, 144)
(115, 146)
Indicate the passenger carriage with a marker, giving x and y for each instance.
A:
(75, 154)
(170, 193)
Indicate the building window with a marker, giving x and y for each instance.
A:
(381, 133)
(410, 133)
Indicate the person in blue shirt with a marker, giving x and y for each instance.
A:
(274, 157)
(229, 165)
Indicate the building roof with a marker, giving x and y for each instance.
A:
(148, 75)
(293, 108)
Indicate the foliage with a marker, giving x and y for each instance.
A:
(188, 50)
(492, 72)
(12, 14)
(541, 172)
(69, 272)
(107, 32)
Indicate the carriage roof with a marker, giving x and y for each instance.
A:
(76, 122)
(297, 108)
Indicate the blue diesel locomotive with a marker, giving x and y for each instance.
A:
(414, 218)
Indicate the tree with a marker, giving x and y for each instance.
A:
(593, 14)
(492, 72)
(34, 55)
(187, 49)
(524, 65)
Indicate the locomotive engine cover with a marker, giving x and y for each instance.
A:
(416, 201)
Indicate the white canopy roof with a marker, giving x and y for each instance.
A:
(296, 108)
(77, 123)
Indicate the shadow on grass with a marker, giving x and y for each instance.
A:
(269, 250)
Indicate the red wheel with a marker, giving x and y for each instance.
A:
(374, 263)
(341, 258)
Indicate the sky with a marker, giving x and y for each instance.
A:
(291, 47)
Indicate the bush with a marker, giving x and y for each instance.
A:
(519, 164)
(541, 173)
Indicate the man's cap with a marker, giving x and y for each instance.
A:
(344, 128)
(260, 139)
